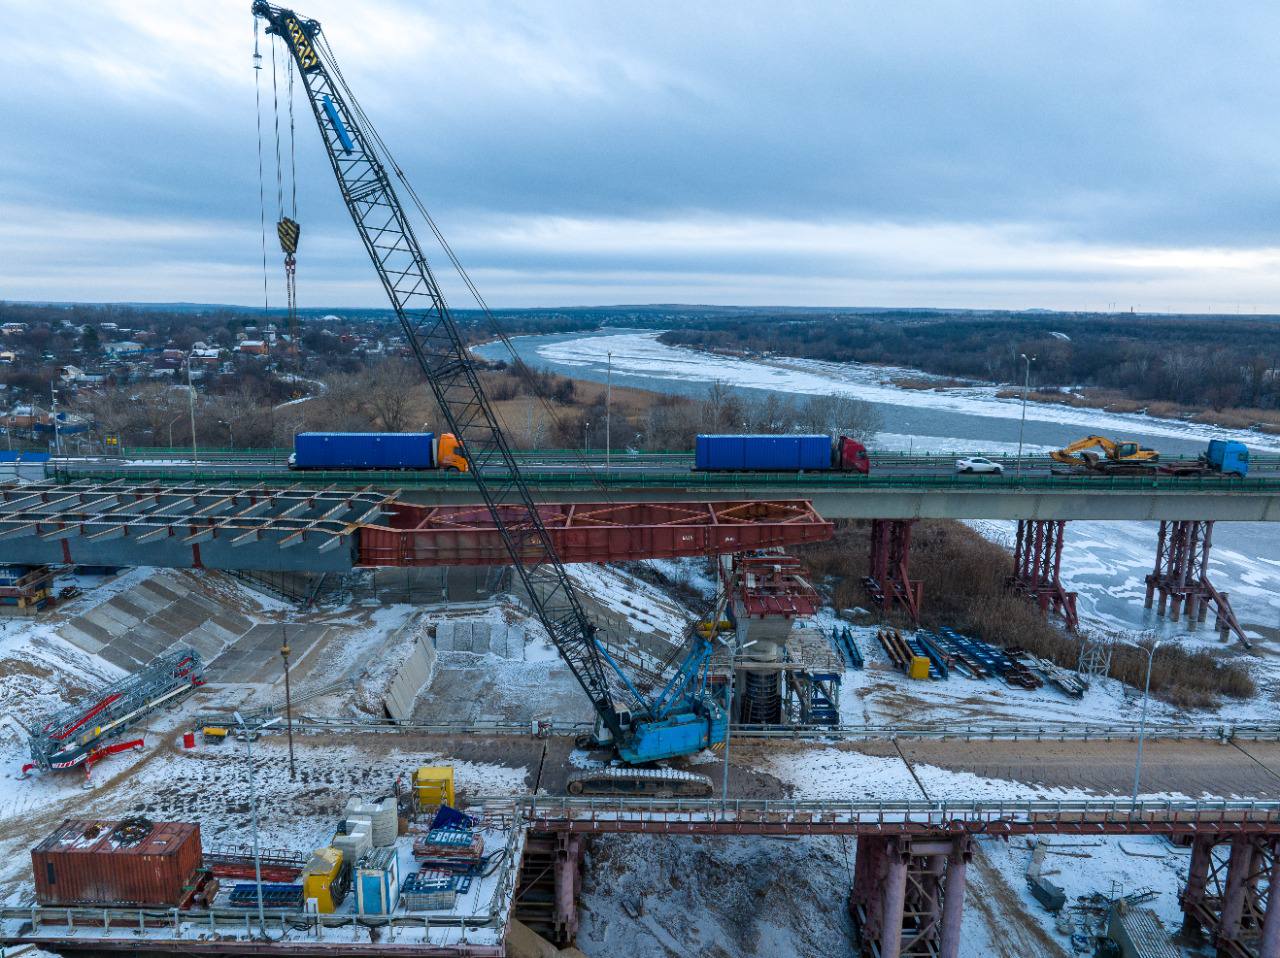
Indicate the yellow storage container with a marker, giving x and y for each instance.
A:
(433, 785)
(919, 667)
(321, 879)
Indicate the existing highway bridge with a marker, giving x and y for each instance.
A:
(212, 512)
(899, 487)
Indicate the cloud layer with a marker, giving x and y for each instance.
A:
(1070, 155)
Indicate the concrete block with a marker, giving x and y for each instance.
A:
(444, 636)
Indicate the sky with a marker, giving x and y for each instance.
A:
(1084, 155)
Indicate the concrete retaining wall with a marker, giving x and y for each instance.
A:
(411, 678)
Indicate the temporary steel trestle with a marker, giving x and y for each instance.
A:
(889, 581)
(908, 895)
(1037, 564)
(1181, 577)
(1228, 895)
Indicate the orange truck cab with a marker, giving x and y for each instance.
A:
(448, 454)
(851, 456)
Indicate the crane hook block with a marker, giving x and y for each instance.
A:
(288, 230)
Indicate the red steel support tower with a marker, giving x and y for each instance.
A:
(1037, 565)
(1181, 577)
(889, 580)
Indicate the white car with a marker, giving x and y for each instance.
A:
(978, 464)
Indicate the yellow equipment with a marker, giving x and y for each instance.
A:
(918, 668)
(433, 786)
(709, 629)
(1118, 456)
(322, 880)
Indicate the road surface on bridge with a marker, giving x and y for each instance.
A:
(899, 487)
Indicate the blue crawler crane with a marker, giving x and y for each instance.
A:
(675, 716)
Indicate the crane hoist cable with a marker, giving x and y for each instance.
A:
(288, 231)
(262, 196)
(522, 369)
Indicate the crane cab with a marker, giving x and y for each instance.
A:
(449, 455)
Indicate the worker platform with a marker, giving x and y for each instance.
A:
(460, 917)
(335, 530)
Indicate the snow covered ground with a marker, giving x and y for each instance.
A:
(640, 352)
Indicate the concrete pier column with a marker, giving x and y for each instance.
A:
(894, 898)
(1197, 882)
(1269, 944)
(953, 899)
(1233, 896)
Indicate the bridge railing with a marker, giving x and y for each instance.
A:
(689, 481)
(923, 815)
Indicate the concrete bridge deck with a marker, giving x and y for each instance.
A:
(897, 488)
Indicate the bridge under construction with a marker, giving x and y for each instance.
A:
(335, 530)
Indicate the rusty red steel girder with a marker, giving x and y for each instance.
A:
(415, 535)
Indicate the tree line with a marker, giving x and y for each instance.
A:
(1206, 361)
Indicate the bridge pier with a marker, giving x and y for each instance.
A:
(1181, 578)
(889, 579)
(549, 885)
(1228, 895)
(907, 898)
(1037, 565)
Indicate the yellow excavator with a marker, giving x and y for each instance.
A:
(1117, 457)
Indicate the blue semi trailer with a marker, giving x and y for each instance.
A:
(377, 450)
(785, 453)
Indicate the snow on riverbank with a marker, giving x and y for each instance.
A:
(641, 353)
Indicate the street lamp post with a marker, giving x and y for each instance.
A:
(288, 697)
(191, 399)
(253, 805)
(1142, 723)
(608, 412)
(1026, 386)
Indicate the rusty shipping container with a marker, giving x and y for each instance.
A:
(131, 862)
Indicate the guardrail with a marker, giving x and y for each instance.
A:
(687, 481)
(786, 816)
(991, 731)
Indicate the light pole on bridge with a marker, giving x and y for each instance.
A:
(1026, 386)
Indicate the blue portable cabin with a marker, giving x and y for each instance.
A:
(1228, 457)
(762, 453)
(363, 450)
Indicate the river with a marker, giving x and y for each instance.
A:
(1105, 562)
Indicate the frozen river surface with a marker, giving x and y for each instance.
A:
(1104, 562)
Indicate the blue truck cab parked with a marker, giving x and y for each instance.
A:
(1228, 457)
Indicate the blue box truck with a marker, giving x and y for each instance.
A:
(786, 453)
(376, 450)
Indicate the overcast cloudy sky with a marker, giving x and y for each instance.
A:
(1074, 155)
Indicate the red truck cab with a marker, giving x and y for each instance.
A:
(851, 456)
